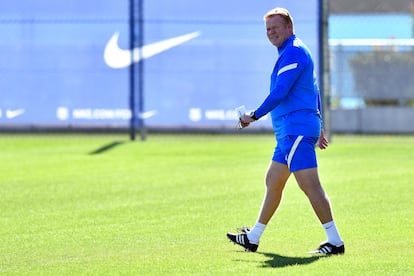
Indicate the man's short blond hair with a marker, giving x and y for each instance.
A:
(282, 12)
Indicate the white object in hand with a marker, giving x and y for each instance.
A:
(241, 110)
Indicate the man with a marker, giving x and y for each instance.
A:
(295, 107)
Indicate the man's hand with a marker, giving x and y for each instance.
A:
(322, 141)
(245, 120)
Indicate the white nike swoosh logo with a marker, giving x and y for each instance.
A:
(116, 57)
(10, 114)
(147, 114)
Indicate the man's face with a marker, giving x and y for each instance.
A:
(278, 30)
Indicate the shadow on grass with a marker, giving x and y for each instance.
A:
(107, 147)
(276, 260)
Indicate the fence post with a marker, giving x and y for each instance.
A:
(324, 72)
(132, 123)
(136, 71)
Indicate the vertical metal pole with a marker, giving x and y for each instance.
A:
(324, 73)
(412, 18)
(132, 122)
(136, 70)
(141, 69)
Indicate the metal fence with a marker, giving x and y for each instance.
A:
(372, 85)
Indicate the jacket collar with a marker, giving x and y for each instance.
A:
(287, 41)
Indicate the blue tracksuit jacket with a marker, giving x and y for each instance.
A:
(294, 100)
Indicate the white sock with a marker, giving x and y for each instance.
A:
(256, 232)
(332, 233)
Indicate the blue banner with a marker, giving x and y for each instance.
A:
(66, 64)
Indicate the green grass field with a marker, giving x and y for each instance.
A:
(101, 205)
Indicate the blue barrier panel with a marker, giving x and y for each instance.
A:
(66, 63)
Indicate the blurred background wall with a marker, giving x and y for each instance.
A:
(66, 65)
(372, 66)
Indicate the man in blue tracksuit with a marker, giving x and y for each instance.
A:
(295, 106)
